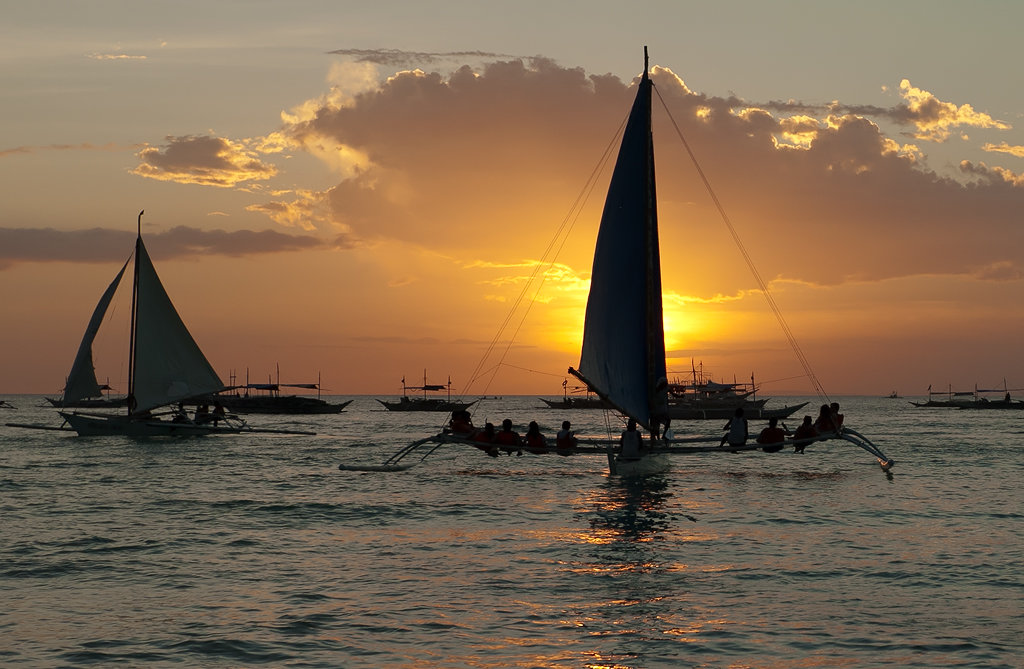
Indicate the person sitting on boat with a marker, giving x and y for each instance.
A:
(536, 443)
(202, 414)
(837, 418)
(631, 443)
(508, 439)
(736, 430)
(804, 434)
(826, 421)
(218, 412)
(485, 440)
(565, 440)
(772, 436)
(461, 423)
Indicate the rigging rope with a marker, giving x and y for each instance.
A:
(546, 262)
(801, 357)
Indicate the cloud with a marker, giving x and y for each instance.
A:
(485, 162)
(1003, 147)
(935, 120)
(115, 56)
(99, 245)
(395, 58)
(85, 146)
(204, 160)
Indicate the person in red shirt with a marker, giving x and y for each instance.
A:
(804, 435)
(535, 441)
(508, 439)
(771, 437)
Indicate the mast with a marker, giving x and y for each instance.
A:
(657, 383)
(135, 307)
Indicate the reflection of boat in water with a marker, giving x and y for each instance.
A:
(426, 403)
(971, 399)
(623, 354)
(165, 366)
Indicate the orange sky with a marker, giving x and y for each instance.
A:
(389, 222)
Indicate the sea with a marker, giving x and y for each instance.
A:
(257, 550)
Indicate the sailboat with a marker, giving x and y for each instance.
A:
(623, 356)
(166, 367)
(622, 359)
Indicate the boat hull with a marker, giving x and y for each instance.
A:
(95, 403)
(278, 405)
(407, 404)
(684, 412)
(576, 403)
(99, 425)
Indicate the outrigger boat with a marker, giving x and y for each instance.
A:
(576, 400)
(623, 355)
(267, 398)
(971, 399)
(426, 403)
(166, 367)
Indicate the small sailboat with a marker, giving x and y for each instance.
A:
(166, 367)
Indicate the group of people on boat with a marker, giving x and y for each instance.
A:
(493, 442)
(202, 415)
(772, 438)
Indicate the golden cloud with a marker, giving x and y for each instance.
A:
(935, 120)
(203, 160)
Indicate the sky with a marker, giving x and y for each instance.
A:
(366, 192)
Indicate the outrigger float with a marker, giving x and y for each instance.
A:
(654, 460)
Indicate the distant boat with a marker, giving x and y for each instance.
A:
(426, 403)
(704, 399)
(971, 399)
(165, 366)
(101, 400)
(267, 398)
(574, 400)
(893, 396)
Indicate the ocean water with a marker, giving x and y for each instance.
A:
(243, 551)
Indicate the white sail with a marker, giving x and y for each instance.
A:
(623, 356)
(168, 364)
(81, 383)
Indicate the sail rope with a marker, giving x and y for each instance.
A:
(790, 337)
(541, 269)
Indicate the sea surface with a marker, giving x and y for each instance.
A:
(244, 551)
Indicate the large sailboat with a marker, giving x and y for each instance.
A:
(622, 360)
(623, 356)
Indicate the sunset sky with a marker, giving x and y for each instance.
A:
(361, 190)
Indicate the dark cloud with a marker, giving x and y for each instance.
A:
(100, 245)
(397, 58)
(820, 192)
(204, 160)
